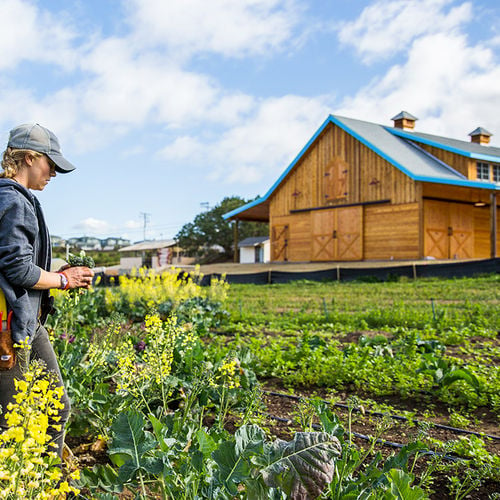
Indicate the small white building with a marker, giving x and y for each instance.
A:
(255, 250)
(154, 254)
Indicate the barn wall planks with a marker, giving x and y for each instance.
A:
(338, 169)
(391, 232)
(482, 232)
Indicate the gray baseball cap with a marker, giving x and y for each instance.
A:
(37, 138)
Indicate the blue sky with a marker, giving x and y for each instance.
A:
(165, 105)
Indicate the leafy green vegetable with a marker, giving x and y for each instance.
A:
(81, 260)
(303, 466)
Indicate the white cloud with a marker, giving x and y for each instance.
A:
(101, 228)
(228, 27)
(182, 148)
(131, 89)
(262, 145)
(133, 224)
(389, 26)
(124, 85)
(34, 35)
(91, 225)
(445, 82)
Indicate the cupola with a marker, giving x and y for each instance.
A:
(404, 120)
(480, 136)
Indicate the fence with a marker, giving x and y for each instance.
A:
(443, 270)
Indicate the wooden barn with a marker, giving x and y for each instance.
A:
(364, 191)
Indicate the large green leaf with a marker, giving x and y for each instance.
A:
(132, 442)
(100, 476)
(206, 443)
(460, 374)
(304, 466)
(233, 469)
(161, 431)
(400, 486)
(233, 457)
(249, 440)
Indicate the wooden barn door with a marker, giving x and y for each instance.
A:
(436, 239)
(448, 230)
(279, 242)
(349, 233)
(322, 223)
(337, 234)
(462, 231)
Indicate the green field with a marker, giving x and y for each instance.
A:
(304, 390)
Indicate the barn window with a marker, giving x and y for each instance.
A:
(496, 173)
(483, 171)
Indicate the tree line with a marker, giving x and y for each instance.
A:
(210, 238)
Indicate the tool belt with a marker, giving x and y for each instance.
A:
(7, 351)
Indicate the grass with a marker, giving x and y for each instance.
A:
(444, 303)
(310, 334)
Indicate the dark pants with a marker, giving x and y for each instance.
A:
(41, 349)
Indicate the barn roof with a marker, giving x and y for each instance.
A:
(464, 148)
(398, 147)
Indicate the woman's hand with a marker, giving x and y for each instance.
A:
(79, 277)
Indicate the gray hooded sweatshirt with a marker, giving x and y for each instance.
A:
(24, 251)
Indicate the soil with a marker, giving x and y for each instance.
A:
(283, 422)
(287, 410)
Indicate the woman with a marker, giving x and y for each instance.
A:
(32, 158)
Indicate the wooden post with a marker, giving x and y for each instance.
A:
(493, 224)
(236, 240)
(421, 214)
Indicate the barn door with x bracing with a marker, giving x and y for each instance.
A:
(336, 234)
(279, 242)
(448, 230)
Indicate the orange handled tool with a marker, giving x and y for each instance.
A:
(7, 351)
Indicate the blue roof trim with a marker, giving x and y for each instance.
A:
(236, 211)
(416, 138)
(422, 178)
(400, 133)
(258, 201)
(371, 146)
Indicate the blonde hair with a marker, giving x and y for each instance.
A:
(13, 160)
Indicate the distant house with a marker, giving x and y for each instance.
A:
(254, 250)
(364, 191)
(85, 243)
(108, 244)
(155, 254)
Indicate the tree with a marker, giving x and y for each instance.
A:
(209, 229)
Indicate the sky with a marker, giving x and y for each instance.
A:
(166, 107)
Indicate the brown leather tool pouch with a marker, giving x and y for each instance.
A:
(7, 351)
